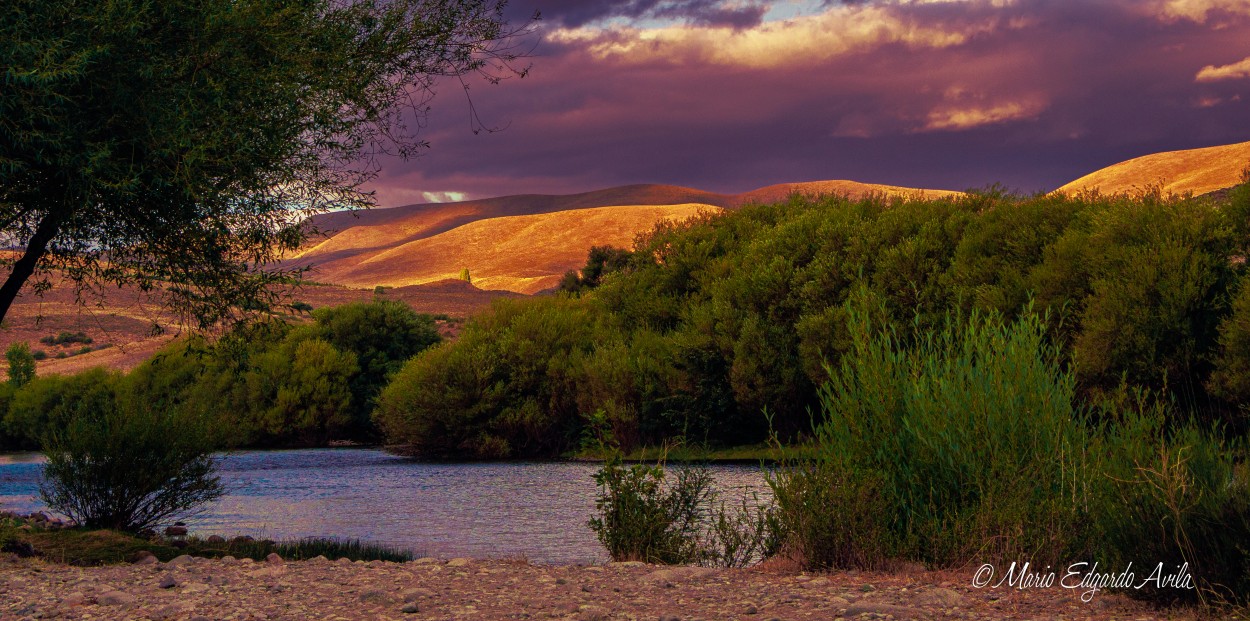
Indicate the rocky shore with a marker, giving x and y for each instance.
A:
(196, 589)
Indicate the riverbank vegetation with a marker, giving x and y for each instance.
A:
(80, 546)
(718, 331)
(271, 384)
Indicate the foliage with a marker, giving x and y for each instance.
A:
(79, 546)
(504, 390)
(641, 518)
(119, 463)
(601, 261)
(967, 436)
(21, 364)
(48, 403)
(64, 338)
(382, 335)
(165, 144)
(716, 320)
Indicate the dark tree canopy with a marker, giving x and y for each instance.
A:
(176, 144)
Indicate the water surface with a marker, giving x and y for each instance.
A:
(537, 510)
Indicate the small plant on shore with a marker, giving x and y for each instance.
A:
(645, 516)
(122, 464)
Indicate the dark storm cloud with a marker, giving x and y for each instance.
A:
(952, 95)
(573, 13)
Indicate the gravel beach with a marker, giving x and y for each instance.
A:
(195, 589)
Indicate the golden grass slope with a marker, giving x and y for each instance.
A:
(525, 254)
(1195, 171)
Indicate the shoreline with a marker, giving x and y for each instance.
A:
(490, 590)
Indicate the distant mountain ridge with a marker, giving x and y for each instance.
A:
(524, 243)
(521, 243)
(1194, 171)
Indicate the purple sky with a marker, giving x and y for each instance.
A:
(730, 95)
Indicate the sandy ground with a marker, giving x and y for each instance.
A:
(463, 589)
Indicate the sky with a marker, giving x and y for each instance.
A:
(731, 95)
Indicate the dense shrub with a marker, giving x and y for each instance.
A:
(120, 463)
(964, 443)
(644, 516)
(505, 389)
(382, 335)
(47, 403)
(716, 320)
(21, 364)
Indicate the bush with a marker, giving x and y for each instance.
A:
(962, 447)
(1176, 498)
(640, 518)
(21, 364)
(124, 465)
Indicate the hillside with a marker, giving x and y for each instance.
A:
(1196, 171)
(521, 243)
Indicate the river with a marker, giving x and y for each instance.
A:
(536, 510)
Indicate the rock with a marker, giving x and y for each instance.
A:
(880, 608)
(227, 559)
(627, 564)
(199, 618)
(195, 587)
(410, 609)
(176, 531)
(375, 596)
(143, 557)
(425, 560)
(412, 595)
(592, 613)
(945, 598)
(215, 539)
(242, 539)
(273, 558)
(750, 609)
(319, 559)
(115, 598)
(172, 611)
(670, 618)
(77, 598)
(459, 562)
(167, 582)
(343, 561)
(673, 574)
(178, 543)
(181, 559)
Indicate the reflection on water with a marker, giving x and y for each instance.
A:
(536, 510)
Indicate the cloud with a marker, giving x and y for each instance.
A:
(575, 13)
(944, 94)
(1198, 11)
(1234, 71)
(806, 40)
(958, 118)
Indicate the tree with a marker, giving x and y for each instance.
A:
(174, 145)
(21, 364)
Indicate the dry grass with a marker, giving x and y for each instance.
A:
(525, 254)
(1195, 171)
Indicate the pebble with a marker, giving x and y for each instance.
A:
(410, 608)
(273, 557)
(115, 598)
(167, 582)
